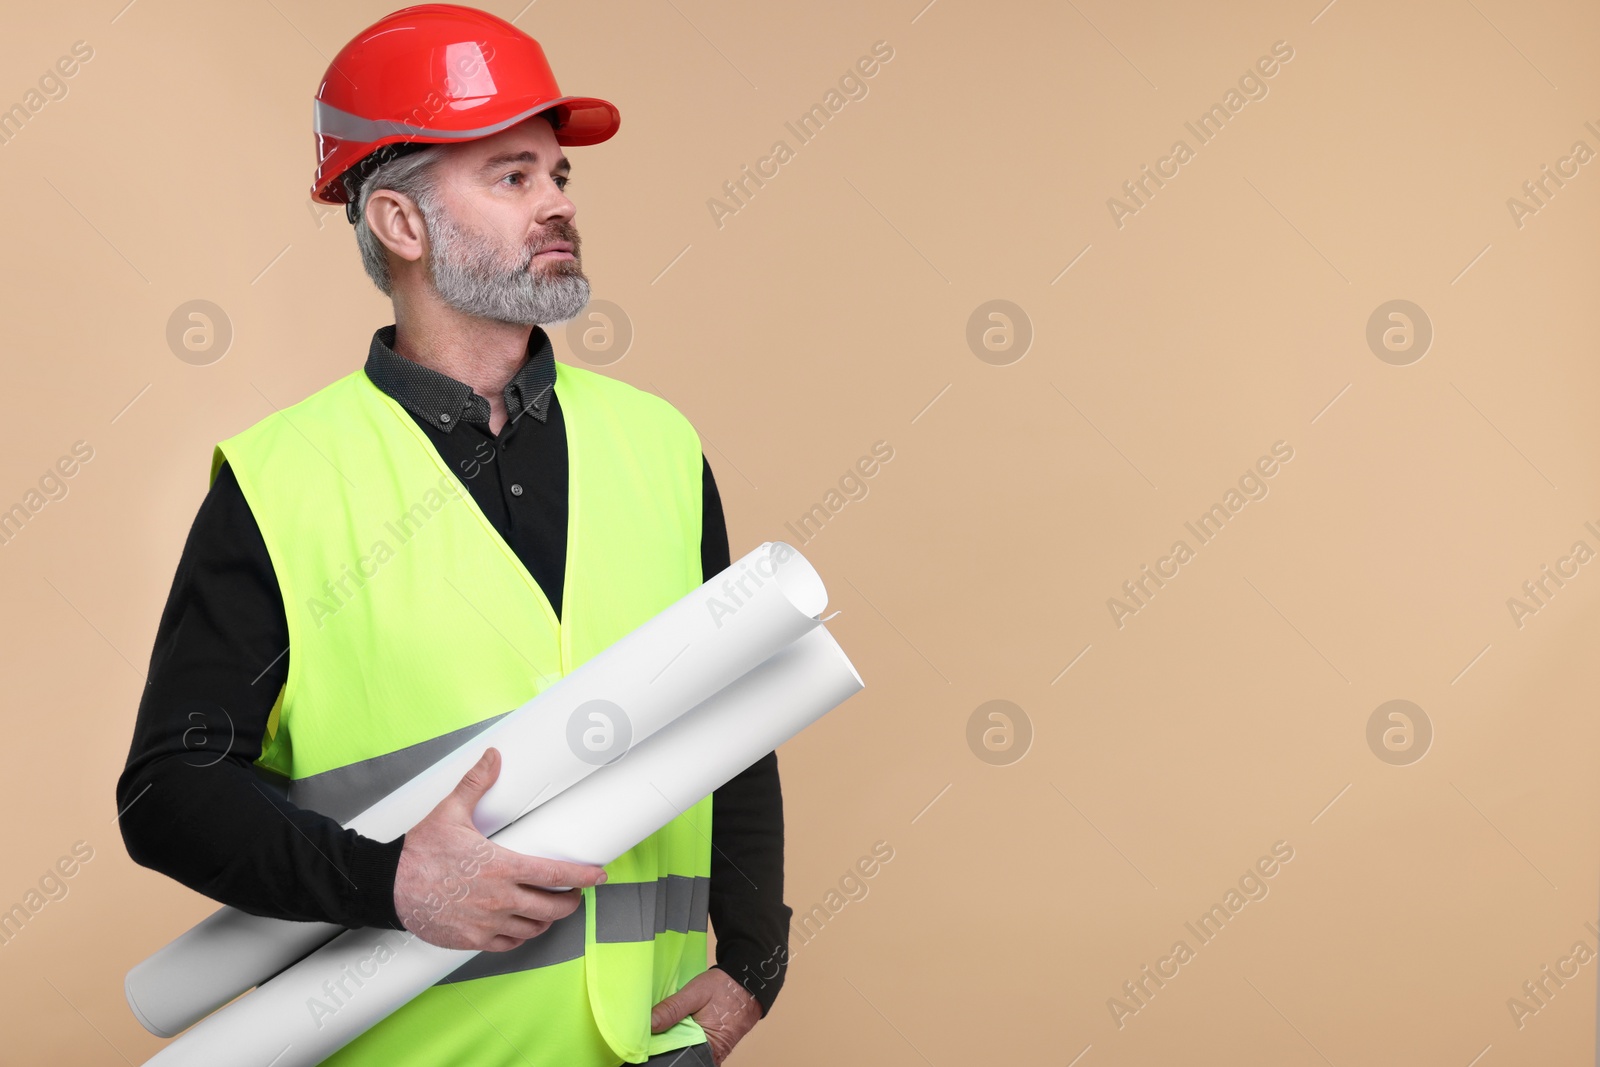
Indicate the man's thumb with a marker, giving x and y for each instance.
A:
(476, 782)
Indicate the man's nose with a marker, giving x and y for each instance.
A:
(557, 206)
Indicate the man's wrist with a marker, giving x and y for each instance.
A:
(373, 865)
(762, 991)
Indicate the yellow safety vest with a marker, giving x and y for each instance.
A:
(413, 625)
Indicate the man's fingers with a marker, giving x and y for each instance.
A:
(546, 907)
(539, 871)
(503, 943)
(523, 928)
(685, 1001)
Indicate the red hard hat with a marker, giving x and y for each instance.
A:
(437, 74)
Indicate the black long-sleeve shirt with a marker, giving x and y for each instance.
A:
(195, 808)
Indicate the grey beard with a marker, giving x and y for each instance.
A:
(470, 278)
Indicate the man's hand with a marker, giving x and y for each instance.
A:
(457, 889)
(724, 1009)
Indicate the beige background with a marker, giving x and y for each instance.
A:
(832, 312)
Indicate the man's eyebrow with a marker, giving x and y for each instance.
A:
(563, 166)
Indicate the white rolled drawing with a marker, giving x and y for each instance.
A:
(594, 821)
(672, 662)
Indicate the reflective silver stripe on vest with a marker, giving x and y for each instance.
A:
(345, 792)
(335, 122)
(637, 911)
(625, 911)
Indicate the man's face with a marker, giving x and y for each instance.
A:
(501, 241)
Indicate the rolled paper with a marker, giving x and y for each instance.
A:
(594, 821)
(625, 693)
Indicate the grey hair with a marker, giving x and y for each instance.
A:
(411, 175)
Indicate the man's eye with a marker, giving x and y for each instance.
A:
(562, 181)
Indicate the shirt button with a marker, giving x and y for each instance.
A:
(444, 417)
(516, 489)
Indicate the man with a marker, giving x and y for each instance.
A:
(343, 614)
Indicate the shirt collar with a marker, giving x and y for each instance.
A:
(443, 402)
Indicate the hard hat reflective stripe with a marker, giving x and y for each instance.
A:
(329, 121)
(627, 911)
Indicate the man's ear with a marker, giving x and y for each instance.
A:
(397, 223)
